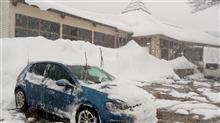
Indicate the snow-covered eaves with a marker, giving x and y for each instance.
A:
(85, 15)
(137, 22)
(146, 25)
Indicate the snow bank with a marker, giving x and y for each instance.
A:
(210, 94)
(129, 62)
(123, 62)
(181, 63)
(206, 110)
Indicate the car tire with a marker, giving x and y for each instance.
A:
(20, 100)
(87, 114)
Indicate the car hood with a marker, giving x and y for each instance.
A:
(124, 91)
(139, 100)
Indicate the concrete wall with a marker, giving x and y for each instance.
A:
(4, 18)
(155, 46)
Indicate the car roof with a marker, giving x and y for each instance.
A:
(59, 63)
(51, 62)
(54, 62)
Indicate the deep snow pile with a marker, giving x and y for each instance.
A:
(131, 62)
(181, 63)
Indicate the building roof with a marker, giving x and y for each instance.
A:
(86, 15)
(135, 18)
(143, 23)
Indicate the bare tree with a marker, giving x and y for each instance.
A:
(199, 5)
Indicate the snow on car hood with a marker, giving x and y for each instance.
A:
(134, 96)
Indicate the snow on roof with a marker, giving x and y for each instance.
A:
(99, 18)
(144, 24)
(138, 21)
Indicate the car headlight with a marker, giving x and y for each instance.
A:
(116, 106)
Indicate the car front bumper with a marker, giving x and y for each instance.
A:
(121, 119)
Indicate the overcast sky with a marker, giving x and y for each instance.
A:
(172, 11)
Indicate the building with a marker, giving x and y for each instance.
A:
(24, 18)
(166, 41)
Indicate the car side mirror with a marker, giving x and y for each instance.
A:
(64, 82)
(61, 82)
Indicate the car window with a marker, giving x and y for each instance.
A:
(212, 66)
(77, 71)
(55, 72)
(90, 73)
(96, 73)
(38, 69)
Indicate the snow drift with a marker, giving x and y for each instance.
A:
(130, 62)
(181, 63)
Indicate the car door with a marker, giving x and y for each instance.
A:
(34, 78)
(57, 98)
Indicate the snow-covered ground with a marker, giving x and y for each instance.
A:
(139, 67)
(192, 100)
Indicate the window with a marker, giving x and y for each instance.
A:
(25, 33)
(89, 73)
(104, 39)
(212, 66)
(26, 22)
(164, 54)
(69, 32)
(74, 33)
(30, 26)
(85, 35)
(38, 69)
(121, 41)
(164, 43)
(47, 26)
(193, 54)
(56, 72)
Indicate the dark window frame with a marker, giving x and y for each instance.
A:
(36, 65)
(65, 73)
(26, 26)
(104, 39)
(76, 33)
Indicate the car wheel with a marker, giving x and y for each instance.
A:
(20, 100)
(87, 115)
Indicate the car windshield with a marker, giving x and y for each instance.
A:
(90, 74)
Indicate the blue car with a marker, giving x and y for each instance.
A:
(71, 92)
